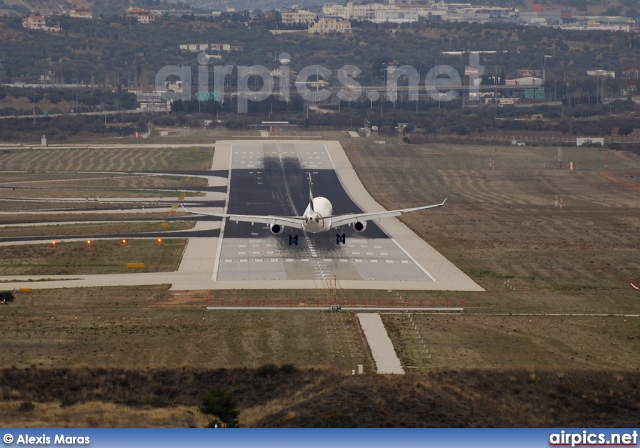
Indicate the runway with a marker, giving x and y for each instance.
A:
(270, 177)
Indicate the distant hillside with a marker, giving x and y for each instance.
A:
(263, 5)
(98, 7)
(25, 7)
(117, 7)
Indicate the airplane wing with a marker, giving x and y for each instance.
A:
(288, 221)
(351, 218)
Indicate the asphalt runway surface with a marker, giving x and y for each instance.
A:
(271, 178)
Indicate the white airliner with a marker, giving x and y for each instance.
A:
(318, 217)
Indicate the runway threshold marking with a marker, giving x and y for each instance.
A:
(216, 264)
(427, 273)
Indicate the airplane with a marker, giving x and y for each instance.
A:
(318, 217)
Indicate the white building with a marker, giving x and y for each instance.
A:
(34, 23)
(396, 15)
(527, 81)
(141, 15)
(597, 27)
(353, 11)
(329, 24)
(38, 23)
(295, 17)
(81, 13)
(581, 141)
(151, 101)
(603, 73)
(209, 46)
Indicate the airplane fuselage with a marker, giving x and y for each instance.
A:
(318, 220)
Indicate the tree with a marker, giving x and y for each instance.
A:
(625, 130)
(222, 404)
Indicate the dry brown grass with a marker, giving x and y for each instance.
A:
(39, 183)
(104, 228)
(130, 327)
(99, 414)
(515, 342)
(105, 159)
(285, 396)
(502, 223)
(101, 257)
(26, 217)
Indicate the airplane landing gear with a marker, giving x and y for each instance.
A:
(341, 238)
(293, 239)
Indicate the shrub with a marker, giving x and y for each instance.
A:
(221, 403)
(267, 370)
(337, 420)
(288, 368)
(26, 406)
(625, 130)
(67, 402)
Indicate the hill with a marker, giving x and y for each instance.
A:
(284, 396)
(98, 7)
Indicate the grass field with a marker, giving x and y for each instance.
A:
(26, 217)
(104, 228)
(105, 159)
(100, 414)
(43, 185)
(101, 257)
(134, 328)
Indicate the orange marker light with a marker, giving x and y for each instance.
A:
(53, 243)
(89, 242)
(124, 241)
(159, 240)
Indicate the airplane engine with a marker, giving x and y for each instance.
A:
(360, 226)
(276, 228)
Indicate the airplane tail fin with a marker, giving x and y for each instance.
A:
(310, 193)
